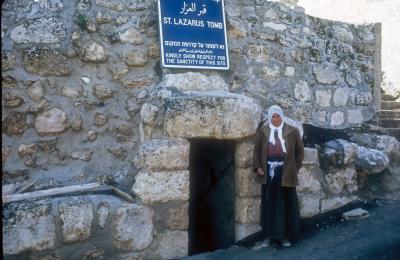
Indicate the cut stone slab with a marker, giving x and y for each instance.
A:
(355, 214)
(174, 244)
(307, 181)
(132, 227)
(244, 154)
(76, 216)
(29, 227)
(340, 179)
(335, 203)
(247, 210)
(310, 156)
(163, 155)
(194, 81)
(154, 187)
(309, 205)
(225, 116)
(247, 182)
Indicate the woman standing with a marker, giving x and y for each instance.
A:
(278, 154)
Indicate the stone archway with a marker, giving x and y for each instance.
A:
(163, 156)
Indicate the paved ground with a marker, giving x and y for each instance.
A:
(330, 237)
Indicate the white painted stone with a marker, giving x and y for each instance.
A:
(302, 91)
(132, 36)
(163, 155)
(94, 52)
(371, 161)
(342, 34)
(275, 26)
(337, 118)
(309, 205)
(194, 81)
(222, 116)
(328, 74)
(152, 187)
(323, 97)
(244, 154)
(247, 182)
(32, 229)
(340, 179)
(148, 113)
(310, 156)
(86, 80)
(307, 181)
(341, 96)
(244, 230)
(355, 116)
(335, 203)
(45, 30)
(247, 210)
(52, 121)
(76, 216)
(290, 71)
(173, 244)
(132, 227)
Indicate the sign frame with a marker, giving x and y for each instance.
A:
(161, 38)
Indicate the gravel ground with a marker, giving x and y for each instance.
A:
(330, 237)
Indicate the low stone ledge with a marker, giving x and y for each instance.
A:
(163, 186)
(163, 155)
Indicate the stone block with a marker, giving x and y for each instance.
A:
(153, 187)
(163, 155)
(94, 52)
(45, 62)
(178, 217)
(355, 116)
(302, 91)
(323, 97)
(173, 244)
(247, 210)
(132, 227)
(194, 81)
(371, 161)
(53, 121)
(76, 216)
(327, 74)
(309, 205)
(28, 226)
(244, 230)
(310, 156)
(148, 113)
(340, 179)
(244, 154)
(337, 118)
(224, 116)
(335, 203)
(341, 96)
(308, 183)
(247, 182)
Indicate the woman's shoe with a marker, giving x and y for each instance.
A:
(286, 243)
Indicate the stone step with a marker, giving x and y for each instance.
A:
(390, 105)
(386, 97)
(389, 114)
(389, 123)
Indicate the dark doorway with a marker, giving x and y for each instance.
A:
(212, 196)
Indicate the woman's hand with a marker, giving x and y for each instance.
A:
(260, 171)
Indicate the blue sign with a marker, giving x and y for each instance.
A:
(193, 34)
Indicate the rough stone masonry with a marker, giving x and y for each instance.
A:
(84, 99)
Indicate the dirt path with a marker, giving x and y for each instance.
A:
(329, 237)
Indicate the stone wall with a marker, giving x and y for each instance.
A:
(85, 99)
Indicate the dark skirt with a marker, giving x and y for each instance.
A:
(279, 208)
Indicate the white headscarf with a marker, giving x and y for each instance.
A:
(271, 111)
